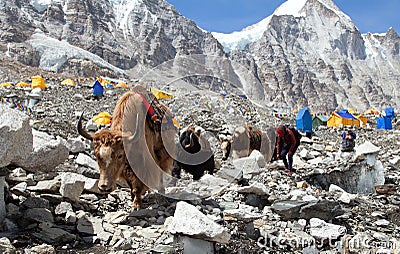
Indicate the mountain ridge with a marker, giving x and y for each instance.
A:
(317, 59)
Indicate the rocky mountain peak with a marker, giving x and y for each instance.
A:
(307, 53)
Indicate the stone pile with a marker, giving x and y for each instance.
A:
(336, 201)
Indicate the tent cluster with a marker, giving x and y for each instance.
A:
(37, 82)
(346, 117)
(111, 83)
(100, 84)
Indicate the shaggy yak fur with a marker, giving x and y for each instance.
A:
(194, 154)
(137, 149)
(246, 139)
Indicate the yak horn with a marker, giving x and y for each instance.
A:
(191, 141)
(138, 130)
(81, 131)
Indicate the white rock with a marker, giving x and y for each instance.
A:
(62, 208)
(395, 161)
(75, 145)
(70, 217)
(6, 246)
(188, 220)
(41, 249)
(256, 188)
(86, 161)
(116, 217)
(244, 212)
(72, 185)
(47, 153)
(304, 154)
(382, 223)
(318, 147)
(345, 197)
(47, 185)
(316, 161)
(91, 125)
(366, 148)
(314, 154)
(15, 135)
(20, 188)
(35, 93)
(324, 231)
(249, 166)
(258, 157)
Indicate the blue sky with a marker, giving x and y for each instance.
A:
(227, 16)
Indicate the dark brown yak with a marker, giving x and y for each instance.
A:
(139, 146)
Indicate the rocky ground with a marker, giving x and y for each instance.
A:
(335, 202)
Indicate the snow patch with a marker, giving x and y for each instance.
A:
(291, 7)
(55, 53)
(40, 5)
(122, 10)
(239, 40)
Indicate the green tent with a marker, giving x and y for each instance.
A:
(319, 120)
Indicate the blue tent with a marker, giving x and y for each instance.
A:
(98, 89)
(346, 114)
(342, 118)
(384, 123)
(389, 112)
(304, 120)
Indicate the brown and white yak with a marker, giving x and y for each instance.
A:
(194, 154)
(138, 148)
(246, 139)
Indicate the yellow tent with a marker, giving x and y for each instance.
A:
(38, 82)
(22, 84)
(342, 118)
(363, 119)
(176, 123)
(122, 85)
(160, 94)
(102, 118)
(6, 84)
(351, 111)
(69, 82)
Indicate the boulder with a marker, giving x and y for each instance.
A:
(47, 153)
(188, 220)
(16, 136)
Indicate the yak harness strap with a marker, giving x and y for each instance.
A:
(152, 114)
(150, 111)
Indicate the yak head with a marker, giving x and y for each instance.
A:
(110, 154)
(190, 140)
(238, 144)
(225, 145)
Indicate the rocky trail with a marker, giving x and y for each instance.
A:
(336, 202)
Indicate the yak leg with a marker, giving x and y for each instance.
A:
(137, 190)
(137, 193)
(176, 170)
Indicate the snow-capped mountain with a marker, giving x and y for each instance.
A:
(308, 52)
(295, 8)
(113, 35)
